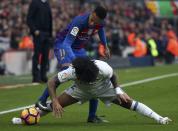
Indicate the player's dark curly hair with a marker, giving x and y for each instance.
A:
(86, 70)
(101, 12)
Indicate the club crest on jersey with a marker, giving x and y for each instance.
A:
(74, 31)
(63, 76)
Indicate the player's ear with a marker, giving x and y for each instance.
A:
(94, 15)
(95, 18)
(92, 18)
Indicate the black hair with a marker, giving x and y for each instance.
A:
(85, 69)
(101, 12)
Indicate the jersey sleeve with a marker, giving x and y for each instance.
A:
(104, 68)
(66, 75)
(102, 36)
(74, 29)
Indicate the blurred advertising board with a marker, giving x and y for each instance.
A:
(163, 8)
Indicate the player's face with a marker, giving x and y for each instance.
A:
(94, 20)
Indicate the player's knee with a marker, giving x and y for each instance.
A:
(50, 81)
(126, 104)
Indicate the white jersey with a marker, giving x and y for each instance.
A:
(101, 84)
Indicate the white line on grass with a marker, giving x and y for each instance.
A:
(149, 79)
(123, 85)
(15, 109)
(19, 85)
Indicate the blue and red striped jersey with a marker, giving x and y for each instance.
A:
(78, 32)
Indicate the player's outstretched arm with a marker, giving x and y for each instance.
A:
(122, 97)
(52, 83)
(104, 52)
(57, 108)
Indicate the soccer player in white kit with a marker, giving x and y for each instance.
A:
(93, 79)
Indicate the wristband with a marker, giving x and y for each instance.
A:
(119, 91)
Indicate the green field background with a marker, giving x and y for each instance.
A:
(160, 95)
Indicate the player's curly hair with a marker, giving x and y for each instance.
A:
(86, 70)
(101, 12)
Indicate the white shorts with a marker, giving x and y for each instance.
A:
(106, 95)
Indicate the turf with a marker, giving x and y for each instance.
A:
(160, 95)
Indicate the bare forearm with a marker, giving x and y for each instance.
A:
(52, 84)
(118, 89)
(114, 81)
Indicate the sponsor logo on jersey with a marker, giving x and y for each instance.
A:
(74, 31)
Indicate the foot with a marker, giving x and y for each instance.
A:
(97, 119)
(164, 120)
(42, 106)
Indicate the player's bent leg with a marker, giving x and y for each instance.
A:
(143, 110)
(66, 100)
(92, 117)
(43, 98)
(126, 105)
(41, 103)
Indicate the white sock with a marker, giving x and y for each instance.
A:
(145, 110)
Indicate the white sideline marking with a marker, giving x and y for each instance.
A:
(123, 85)
(19, 85)
(15, 109)
(149, 79)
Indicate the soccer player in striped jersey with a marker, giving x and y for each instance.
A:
(70, 43)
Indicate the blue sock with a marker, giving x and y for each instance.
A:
(45, 94)
(93, 104)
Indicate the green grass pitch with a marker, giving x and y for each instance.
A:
(161, 95)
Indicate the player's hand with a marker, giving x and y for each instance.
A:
(57, 108)
(123, 98)
(104, 52)
(107, 53)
